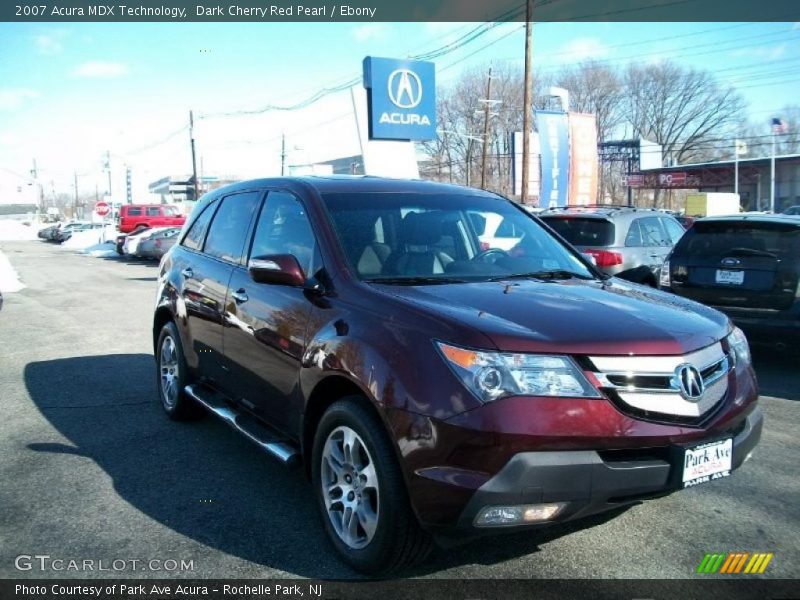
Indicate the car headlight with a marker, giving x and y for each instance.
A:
(739, 346)
(492, 375)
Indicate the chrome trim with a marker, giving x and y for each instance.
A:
(256, 263)
(723, 367)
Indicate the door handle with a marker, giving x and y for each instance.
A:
(240, 296)
(188, 273)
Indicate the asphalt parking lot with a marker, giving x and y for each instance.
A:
(92, 470)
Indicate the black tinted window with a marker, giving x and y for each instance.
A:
(714, 241)
(231, 224)
(194, 237)
(134, 212)
(153, 211)
(580, 231)
(283, 228)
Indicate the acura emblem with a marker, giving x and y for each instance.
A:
(405, 88)
(690, 382)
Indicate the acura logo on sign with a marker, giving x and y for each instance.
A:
(405, 88)
(690, 382)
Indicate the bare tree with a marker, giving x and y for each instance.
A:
(594, 88)
(683, 109)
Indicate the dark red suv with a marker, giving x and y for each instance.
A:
(434, 387)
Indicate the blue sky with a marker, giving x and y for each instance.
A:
(68, 92)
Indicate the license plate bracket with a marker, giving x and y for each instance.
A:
(707, 462)
(729, 277)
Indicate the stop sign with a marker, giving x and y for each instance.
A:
(102, 209)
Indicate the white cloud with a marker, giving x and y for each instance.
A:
(581, 49)
(101, 69)
(766, 53)
(12, 98)
(48, 43)
(369, 32)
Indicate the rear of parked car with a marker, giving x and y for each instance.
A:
(748, 267)
(626, 242)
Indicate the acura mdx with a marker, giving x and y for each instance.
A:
(432, 384)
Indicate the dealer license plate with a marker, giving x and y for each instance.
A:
(707, 462)
(733, 277)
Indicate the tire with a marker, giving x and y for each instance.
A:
(172, 375)
(397, 540)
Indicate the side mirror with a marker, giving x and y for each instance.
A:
(277, 269)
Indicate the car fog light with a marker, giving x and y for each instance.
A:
(496, 516)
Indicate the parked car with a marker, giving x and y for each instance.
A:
(47, 233)
(685, 221)
(157, 243)
(747, 266)
(432, 388)
(64, 233)
(132, 240)
(631, 243)
(135, 216)
(119, 243)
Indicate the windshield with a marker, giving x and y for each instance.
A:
(439, 238)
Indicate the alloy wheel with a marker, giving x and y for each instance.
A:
(350, 487)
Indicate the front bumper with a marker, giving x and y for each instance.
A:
(590, 482)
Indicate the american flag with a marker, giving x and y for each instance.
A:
(779, 126)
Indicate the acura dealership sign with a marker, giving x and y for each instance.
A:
(401, 96)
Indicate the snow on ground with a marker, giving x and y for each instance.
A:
(9, 280)
(11, 230)
(81, 240)
(103, 250)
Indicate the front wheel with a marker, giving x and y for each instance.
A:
(361, 493)
(172, 376)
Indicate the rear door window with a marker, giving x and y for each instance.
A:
(581, 231)
(231, 225)
(153, 211)
(134, 212)
(634, 237)
(652, 232)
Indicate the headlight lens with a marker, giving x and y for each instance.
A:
(739, 346)
(492, 375)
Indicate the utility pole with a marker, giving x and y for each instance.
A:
(35, 175)
(75, 174)
(486, 109)
(194, 157)
(526, 105)
(108, 169)
(772, 174)
(283, 153)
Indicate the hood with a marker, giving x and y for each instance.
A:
(572, 317)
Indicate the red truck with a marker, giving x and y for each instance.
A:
(135, 216)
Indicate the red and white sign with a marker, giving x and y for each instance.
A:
(672, 179)
(101, 209)
(633, 180)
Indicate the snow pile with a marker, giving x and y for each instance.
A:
(14, 231)
(9, 280)
(102, 250)
(81, 240)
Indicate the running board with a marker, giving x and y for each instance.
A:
(283, 451)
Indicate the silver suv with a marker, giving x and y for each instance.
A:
(631, 243)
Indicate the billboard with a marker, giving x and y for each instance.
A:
(554, 142)
(583, 159)
(401, 98)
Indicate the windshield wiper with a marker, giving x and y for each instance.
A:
(751, 252)
(414, 280)
(546, 275)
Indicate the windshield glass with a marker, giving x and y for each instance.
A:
(394, 237)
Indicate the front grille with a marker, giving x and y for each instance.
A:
(648, 387)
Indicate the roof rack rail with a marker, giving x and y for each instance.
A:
(608, 206)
